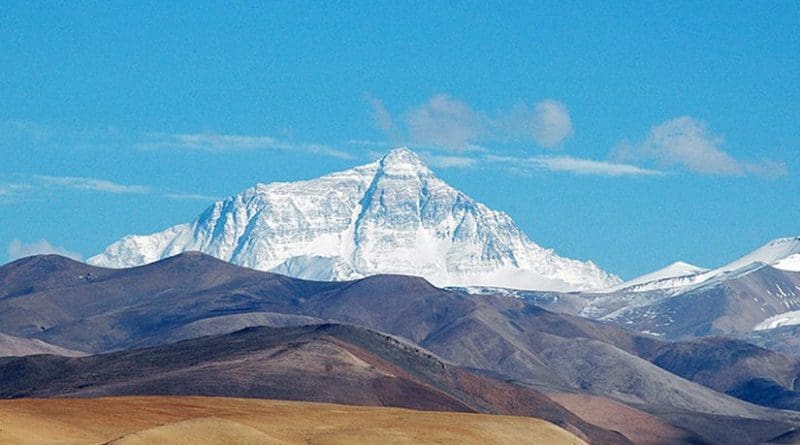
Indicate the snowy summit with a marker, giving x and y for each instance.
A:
(390, 216)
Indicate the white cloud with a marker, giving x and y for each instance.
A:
(444, 122)
(589, 167)
(229, 142)
(569, 164)
(189, 196)
(18, 249)
(688, 143)
(383, 119)
(548, 123)
(94, 184)
(551, 123)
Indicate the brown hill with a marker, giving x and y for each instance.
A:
(638, 426)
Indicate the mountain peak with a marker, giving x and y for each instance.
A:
(400, 154)
(675, 271)
(403, 160)
(392, 216)
(684, 266)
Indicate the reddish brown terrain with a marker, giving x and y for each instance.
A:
(636, 425)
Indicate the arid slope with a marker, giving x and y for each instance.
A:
(210, 420)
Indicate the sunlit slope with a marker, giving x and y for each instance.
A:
(213, 420)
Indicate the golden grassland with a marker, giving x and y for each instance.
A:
(219, 420)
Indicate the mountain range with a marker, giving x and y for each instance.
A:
(756, 298)
(135, 324)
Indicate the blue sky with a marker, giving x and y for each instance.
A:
(633, 134)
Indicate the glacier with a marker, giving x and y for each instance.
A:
(391, 216)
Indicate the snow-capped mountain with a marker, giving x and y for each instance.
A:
(672, 273)
(756, 297)
(758, 292)
(781, 253)
(390, 216)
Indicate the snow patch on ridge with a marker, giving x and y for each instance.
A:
(776, 321)
(790, 263)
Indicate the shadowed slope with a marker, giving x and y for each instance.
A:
(735, 367)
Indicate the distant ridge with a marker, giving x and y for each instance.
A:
(781, 253)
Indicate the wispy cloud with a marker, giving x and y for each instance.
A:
(370, 143)
(12, 131)
(10, 193)
(383, 119)
(13, 189)
(94, 184)
(17, 249)
(589, 167)
(527, 165)
(6, 195)
(229, 142)
(189, 197)
(445, 161)
(13, 193)
(569, 164)
(688, 143)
